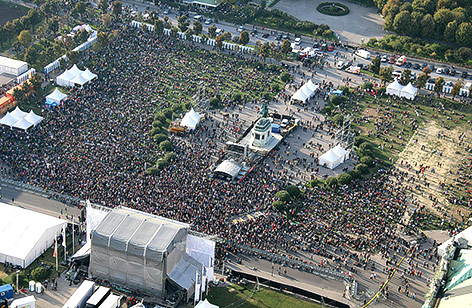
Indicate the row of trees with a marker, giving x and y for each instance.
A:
(447, 20)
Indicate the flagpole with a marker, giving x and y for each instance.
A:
(55, 249)
(64, 243)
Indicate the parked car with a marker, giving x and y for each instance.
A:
(401, 61)
(278, 37)
(416, 66)
(439, 70)
(408, 64)
(464, 75)
(384, 58)
(241, 29)
(265, 35)
(285, 37)
(452, 72)
(391, 60)
(298, 41)
(284, 123)
(208, 21)
(166, 12)
(397, 74)
(330, 48)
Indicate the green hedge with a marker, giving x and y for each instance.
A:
(332, 9)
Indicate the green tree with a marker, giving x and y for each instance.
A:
(286, 47)
(165, 145)
(385, 74)
(183, 23)
(80, 7)
(72, 57)
(159, 26)
(285, 77)
(293, 190)
(344, 179)
(464, 34)
(212, 31)
(362, 168)
(375, 65)
(25, 38)
(442, 17)
(117, 8)
(102, 39)
(244, 37)
(31, 55)
(103, 5)
(332, 182)
(106, 20)
(189, 34)
(160, 137)
(215, 102)
(439, 85)
(283, 196)
(40, 273)
(3, 36)
(450, 31)
(402, 22)
(219, 41)
(421, 81)
(457, 88)
(197, 27)
(266, 51)
(427, 25)
(338, 119)
(406, 77)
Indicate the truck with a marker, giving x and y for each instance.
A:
(112, 301)
(24, 302)
(363, 53)
(98, 297)
(81, 295)
(6, 292)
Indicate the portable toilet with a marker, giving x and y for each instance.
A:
(39, 287)
(31, 286)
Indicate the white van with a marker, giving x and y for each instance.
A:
(284, 123)
(340, 65)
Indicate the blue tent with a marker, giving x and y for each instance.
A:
(6, 292)
(336, 92)
(275, 128)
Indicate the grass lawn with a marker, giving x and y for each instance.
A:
(10, 11)
(243, 297)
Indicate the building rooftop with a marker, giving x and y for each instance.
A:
(4, 61)
(262, 125)
(458, 289)
(211, 3)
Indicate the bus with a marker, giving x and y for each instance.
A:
(98, 297)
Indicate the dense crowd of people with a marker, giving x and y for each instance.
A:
(97, 147)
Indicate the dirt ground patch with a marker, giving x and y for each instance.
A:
(371, 113)
(431, 159)
(3, 275)
(9, 12)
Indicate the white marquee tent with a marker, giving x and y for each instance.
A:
(75, 76)
(33, 118)
(205, 304)
(394, 88)
(334, 157)
(305, 92)
(409, 91)
(25, 234)
(22, 124)
(56, 96)
(191, 119)
(18, 114)
(8, 120)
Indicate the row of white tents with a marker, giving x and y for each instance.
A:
(191, 119)
(305, 92)
(408, 91)
(20, 119)
(74, 76)
(334, 157)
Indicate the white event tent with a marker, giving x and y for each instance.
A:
(20, 119)
(18, 114)
(409, 91)
(25, 234)
(22, 124)
(8, 120)
(305, 92)
(205, 304)
(334, 157)
(33, 118)
(191, 119)
(56, 96)
(394, 88)
(74, 76)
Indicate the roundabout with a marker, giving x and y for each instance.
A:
(332, 9)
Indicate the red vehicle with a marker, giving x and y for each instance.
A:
(391, 60)
(330, 48)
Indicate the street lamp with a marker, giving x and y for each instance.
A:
(17, 272)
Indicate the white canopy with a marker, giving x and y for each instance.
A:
(22, 124)
(191, 119)
(205, 304)
(394, 88)
(18, 114)
(8, 120)
(56, 96)
(33, 118)
(305, 92)
(79, 79)
(65, 78)
(334, 157)
(89, 75)
(409, 91)
(74, 70)
(26, 234)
